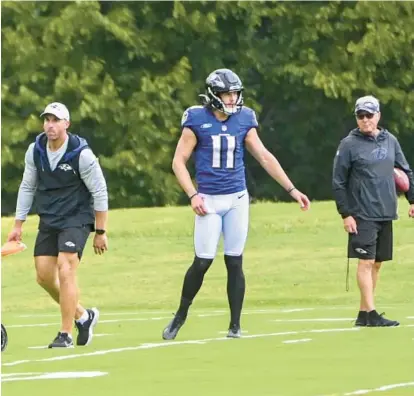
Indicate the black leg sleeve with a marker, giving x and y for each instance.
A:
(236, 286)
(192, 283)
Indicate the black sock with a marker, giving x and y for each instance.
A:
(192, 283)
(236, 286)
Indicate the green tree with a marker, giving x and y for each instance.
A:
(127, 71)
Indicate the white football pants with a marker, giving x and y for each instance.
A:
(227, 214)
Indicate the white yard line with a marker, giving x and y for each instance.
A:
(125, 313)
(175, 343)
(281, 310)
(100, 322)
(297, 341)
(380, 389)
(101, 313)
(104, 335)
(133, 319)
(207, 315)
(32, 325)
(16, 326)
(200, 313)
(314, 320)
(16, 374)
(57, 375)
(216, 311)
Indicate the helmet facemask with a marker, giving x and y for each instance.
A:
(216, 102)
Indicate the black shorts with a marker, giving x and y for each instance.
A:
(373, 241)
(50, 241)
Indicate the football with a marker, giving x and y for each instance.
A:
(401, 180)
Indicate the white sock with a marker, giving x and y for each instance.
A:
(84, 317)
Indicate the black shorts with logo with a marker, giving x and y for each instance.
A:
(374, 240)
(51, 241)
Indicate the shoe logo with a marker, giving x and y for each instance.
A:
(241, 196)
(360, 250)
(70, 244)
(65, 167)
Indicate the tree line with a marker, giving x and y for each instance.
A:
(128, 70)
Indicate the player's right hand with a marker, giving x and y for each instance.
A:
(15, 234)
(350, 225)
(197, 203)
(411, 211)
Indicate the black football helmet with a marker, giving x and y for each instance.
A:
(219, 81)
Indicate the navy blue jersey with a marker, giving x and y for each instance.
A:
(219, 154)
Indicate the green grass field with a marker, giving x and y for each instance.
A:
(299, 336)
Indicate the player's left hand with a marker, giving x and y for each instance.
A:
(411, 211)
(100, 243)
(301, 198)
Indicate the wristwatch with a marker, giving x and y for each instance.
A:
(100, 231)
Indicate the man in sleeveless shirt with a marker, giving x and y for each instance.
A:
(64, 178)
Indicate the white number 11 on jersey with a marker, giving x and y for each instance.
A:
(218, 150)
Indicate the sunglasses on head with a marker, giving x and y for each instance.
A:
(361, 116)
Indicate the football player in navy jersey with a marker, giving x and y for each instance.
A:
(217, 134)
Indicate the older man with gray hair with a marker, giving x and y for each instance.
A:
(366, 198)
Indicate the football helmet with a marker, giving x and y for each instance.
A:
(220, 81)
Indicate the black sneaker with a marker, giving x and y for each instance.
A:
(377, 320)
(234, 331)
(85, 330)
(170, 332)
(62, 340)
(362, 319)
